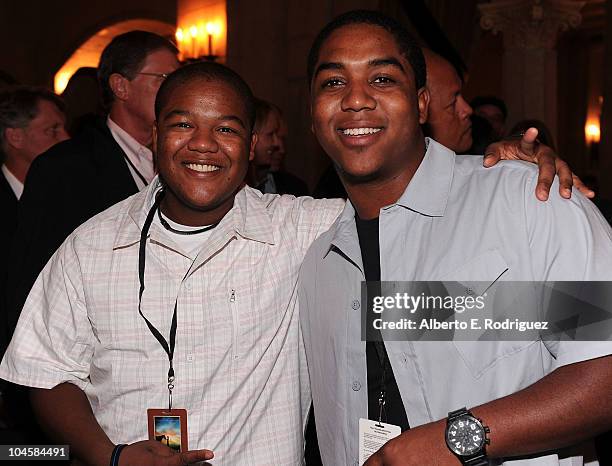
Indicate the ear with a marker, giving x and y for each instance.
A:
(253, 144)
(423, 102)
(15, 137)
(120, 86)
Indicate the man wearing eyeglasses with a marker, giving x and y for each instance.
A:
(102, 165)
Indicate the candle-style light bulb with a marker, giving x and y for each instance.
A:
(193, 32)
(211, 29)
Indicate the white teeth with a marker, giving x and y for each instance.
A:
(201, 167)
(359, 131)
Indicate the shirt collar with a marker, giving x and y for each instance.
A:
(13, 181)
(128, 143)
(427, 193)
(248, 217)
(428, 190)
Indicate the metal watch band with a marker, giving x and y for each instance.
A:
(459, 412)
(480, 460)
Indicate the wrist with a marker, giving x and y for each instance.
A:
(100, 455)
(466, 437)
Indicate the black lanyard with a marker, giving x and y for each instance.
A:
(382, 397)
(168, 348)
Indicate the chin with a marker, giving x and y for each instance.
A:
(358, 176)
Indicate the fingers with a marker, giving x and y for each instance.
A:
(565, 178)
(190, 457)
(528, 141)
(492, 155)
(583, 188)
(546, 175)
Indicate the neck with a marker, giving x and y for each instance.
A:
(132, 125)
(18, 166)
(179, 213)
(371, 196)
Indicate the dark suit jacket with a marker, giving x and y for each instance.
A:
(8, 210)
(65, 186)
(286, 183)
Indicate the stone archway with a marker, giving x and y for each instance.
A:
(88, 53)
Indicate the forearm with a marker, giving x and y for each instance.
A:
(65, 414)
(569, 405)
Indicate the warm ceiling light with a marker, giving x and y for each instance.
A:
(592, 132)
(179, 35)
(193, 30)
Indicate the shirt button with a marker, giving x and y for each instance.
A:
(356, 386)
(190, 358)
(356, 304)
(187, 286)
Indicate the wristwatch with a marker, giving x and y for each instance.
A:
(466, 437)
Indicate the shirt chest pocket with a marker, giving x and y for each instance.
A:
(482, 276)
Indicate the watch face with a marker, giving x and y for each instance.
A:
(465, 435)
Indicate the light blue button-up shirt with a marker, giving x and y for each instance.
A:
(455, 221)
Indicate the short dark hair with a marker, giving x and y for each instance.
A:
(19, 106)
(490, 100)
(208, 71)
(408, 46)
(126, 55)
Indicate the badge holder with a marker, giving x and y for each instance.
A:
(169, 426)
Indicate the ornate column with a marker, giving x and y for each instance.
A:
(530, 29)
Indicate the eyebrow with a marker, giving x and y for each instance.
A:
(175, 112)
(328, 66)
(233, 118)
(221, 118)
(388, 61)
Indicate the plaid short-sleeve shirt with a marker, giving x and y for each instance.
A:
(239, 361)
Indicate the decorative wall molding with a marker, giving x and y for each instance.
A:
(530, 24)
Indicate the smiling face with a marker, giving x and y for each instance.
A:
(366, 110)
(203, 144)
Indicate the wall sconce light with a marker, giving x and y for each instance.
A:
(191, 41)
(592, 132)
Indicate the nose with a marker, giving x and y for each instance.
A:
(357, 98)
(203, 140)
(277, 142)
(62, 135)
(465, 110)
